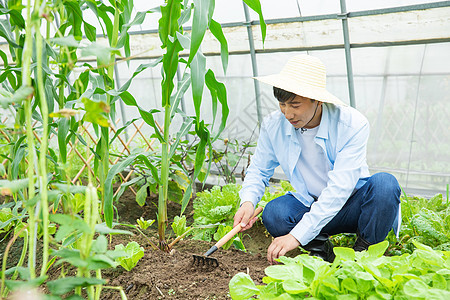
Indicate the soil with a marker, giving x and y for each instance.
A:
(160, 275)
(174, 275)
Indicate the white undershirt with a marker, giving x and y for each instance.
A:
(313, 164)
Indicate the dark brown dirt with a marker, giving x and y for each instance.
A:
(160, 275)
(173, 275)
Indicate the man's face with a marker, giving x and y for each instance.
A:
(300, 110)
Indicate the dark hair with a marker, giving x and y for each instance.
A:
(282, 95)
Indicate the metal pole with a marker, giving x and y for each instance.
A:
(254, 63)
(348, 56)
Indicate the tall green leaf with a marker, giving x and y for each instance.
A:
(108, 205)
(256, 6)
(199, 25)
(216, 30)
(218, 91)
(168, 23)
(198, 67)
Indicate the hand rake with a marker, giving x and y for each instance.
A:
(211, 261)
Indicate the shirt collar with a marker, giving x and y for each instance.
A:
(324, 124)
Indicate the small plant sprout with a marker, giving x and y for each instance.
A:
(144, 224)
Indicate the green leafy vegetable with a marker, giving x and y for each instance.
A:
(133, 254)
(362, 275)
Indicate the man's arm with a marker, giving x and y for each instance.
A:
(257, 178)
(261, 169)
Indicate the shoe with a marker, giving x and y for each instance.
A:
(321, 247)
(361, 244)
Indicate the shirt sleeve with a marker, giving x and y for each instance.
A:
(342, 179)
(261, 169)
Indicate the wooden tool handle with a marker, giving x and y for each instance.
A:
(235, 230)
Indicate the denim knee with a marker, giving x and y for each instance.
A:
(282, 214)
(272, 218)
(386, 187)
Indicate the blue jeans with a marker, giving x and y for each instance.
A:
(372, 211)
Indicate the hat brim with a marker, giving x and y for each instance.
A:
(308, 91)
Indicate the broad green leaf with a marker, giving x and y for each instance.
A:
(67, 284)
(69, 225)
(348, 284)
(242, 287)
(100, 245)
(256, 6)
(199, 25)
(179, 225)
(293, 286)
(68, 41)
(6, 98)
(149, 165)
(344, 253)
(174, 193)
(221, 232)
(90, 31)
(103, 53)
(6, 32)
(63, 130)
(285, 272)
(378, 250)
(8, 187)
(168, 23)
(15, 285)
(15, 16)
(216, 30)
(416, 288)
(133, 254)
(141, 195)
(75, 17)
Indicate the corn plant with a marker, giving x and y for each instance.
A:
(174, 14)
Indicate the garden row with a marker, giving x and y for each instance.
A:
(59, 96)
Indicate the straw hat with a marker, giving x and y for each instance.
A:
(305, 76)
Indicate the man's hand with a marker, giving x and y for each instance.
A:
(243, 216)
(280, 246)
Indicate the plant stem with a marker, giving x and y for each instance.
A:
(26, 81)
(98, 288)
(163, 188)
(109, 84)
(120, 289)
(3, 291)
(44, 142)
(22, 255)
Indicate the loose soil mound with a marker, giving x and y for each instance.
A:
(160, 275)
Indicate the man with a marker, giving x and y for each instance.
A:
(320, 143)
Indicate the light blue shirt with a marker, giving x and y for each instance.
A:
(342, 135)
